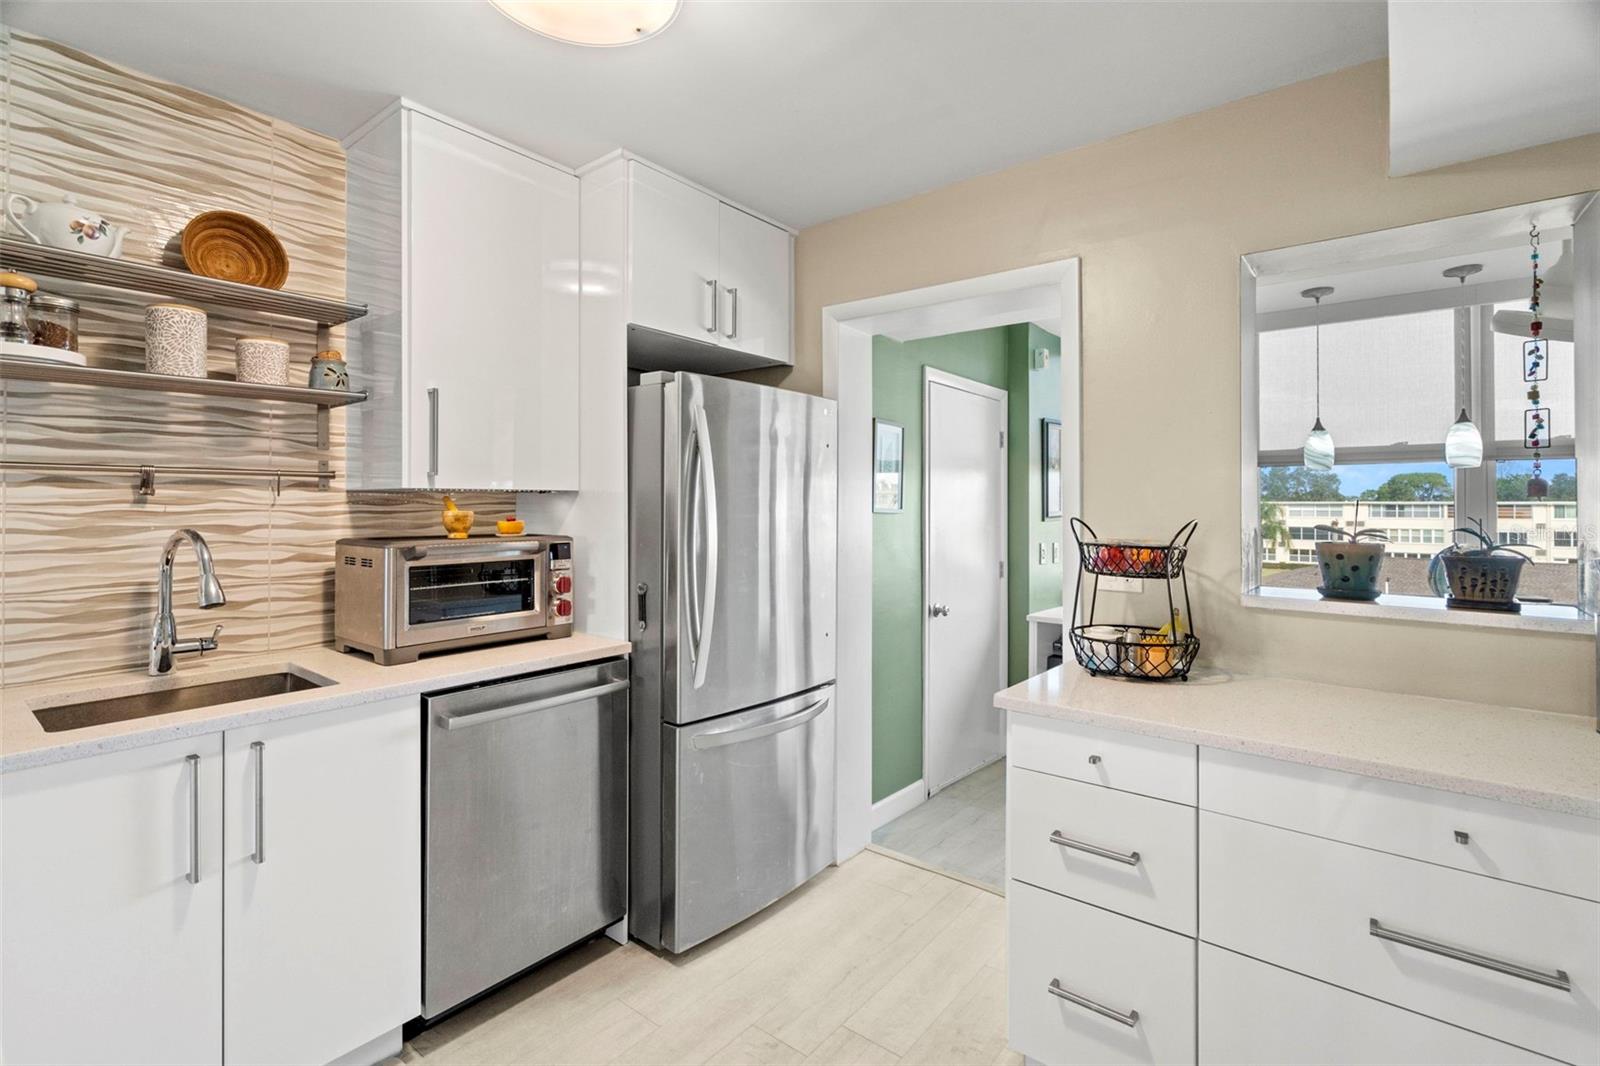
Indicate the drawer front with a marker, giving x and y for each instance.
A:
(1150, 767)
(1546, 849)
(1252, 1013)
(1309, 904)
(1078, 976)
(1052, 824)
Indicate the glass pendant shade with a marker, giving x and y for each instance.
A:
(1463, 445)
(1318, 452)
(598, 23)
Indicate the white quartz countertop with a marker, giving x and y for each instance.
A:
(1534, 758)
(355, 680)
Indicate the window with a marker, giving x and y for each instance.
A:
(1565, 510)
(1516, 510)
(1302, 555)
(1566, 538)
(1509, 537)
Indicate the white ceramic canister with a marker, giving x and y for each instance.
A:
(175, 340)
(263, 360)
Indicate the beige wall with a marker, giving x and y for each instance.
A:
(1160, 218)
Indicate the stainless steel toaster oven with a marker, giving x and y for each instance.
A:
(398, 598)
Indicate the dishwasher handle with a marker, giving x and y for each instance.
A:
(512, 710)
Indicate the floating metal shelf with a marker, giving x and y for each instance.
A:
(154, 280)
(31, 370)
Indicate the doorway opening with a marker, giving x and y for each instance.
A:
(966, 375)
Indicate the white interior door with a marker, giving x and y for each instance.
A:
(963, 559)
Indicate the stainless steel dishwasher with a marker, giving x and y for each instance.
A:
(525, 836)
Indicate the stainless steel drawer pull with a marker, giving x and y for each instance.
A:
(1129, 1019)
(1130, 859)
(1558, 979)
(194, 818)
(433, 432)
(496, 714)
(259, 856)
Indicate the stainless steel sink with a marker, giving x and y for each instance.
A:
(145, 704)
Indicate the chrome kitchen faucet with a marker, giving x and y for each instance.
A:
(164, 642)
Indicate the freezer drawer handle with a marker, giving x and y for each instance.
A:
(1129, 1019)
(452, 721)
(1130, 859)
(1559, 979)
(720, 737)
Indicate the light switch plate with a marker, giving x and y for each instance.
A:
(1122, 584)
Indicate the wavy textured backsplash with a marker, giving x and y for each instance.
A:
(78, 552)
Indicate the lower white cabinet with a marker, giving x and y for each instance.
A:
(251, 896)
(111, 908)
(1259, 1015)
(322, 883)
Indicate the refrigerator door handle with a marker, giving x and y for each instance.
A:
(706, 601)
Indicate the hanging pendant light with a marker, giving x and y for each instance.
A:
(1463, 444)
(1318, 451)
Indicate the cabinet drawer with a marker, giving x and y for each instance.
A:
(1131, 985)
(1310, 905)
(1255, 1013)
(1547, 849)
(1052, 822)
(1160, 768)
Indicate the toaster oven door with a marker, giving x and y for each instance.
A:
(448, 592)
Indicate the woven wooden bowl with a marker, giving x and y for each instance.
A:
(234, 247)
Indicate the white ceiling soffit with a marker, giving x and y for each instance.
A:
(1469, 79)
(803, 110)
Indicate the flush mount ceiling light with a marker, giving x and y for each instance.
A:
(596, 23)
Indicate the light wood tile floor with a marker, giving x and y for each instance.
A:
(874, 961)
(960, 829)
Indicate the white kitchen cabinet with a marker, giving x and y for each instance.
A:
(322, 883)
(111, 907)
(697, 283)
(466, 251)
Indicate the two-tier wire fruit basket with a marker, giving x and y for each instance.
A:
(1149, 653)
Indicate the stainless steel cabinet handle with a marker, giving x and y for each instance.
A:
(194, 818)
(720, 737)
(711, 288)
(1558, 979)
(1129, 1019)
(733, 312)
(938, 610)
(1129, 859)
(450, 721)
(260, 854)
(433, 432)
(641, 592)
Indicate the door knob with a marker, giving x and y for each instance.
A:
(938, 610)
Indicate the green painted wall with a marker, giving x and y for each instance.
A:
(998, 357)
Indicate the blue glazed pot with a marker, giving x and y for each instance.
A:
(1351, 570)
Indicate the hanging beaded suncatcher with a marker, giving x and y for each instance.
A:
(1536, 368)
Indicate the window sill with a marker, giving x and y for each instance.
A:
(1534, 617)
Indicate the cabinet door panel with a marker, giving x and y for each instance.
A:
(492, 280)
(755, 267)
(110, 952)
(323, 934)
(674, 268)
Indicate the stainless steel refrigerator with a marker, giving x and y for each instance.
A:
(733, 525)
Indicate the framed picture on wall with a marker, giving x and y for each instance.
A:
(1050, 464)
(888, 467)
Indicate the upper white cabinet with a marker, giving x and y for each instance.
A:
(467, 252)
(700, 283)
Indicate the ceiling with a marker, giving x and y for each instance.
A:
(801, 110)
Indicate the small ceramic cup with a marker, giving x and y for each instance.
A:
(175, 340)
(328, 371)
(263, 360)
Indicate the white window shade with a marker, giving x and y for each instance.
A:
(1511, 393)
(1385, 381)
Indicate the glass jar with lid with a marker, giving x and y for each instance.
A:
(15, 290)
(53, 321)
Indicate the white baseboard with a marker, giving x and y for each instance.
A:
(891, 807)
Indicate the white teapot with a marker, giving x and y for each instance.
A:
(65, 225)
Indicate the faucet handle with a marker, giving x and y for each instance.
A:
(210, 643)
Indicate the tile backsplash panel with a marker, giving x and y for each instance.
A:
(78, 552)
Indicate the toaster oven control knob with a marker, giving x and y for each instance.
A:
(563, 584)
(564, 608)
